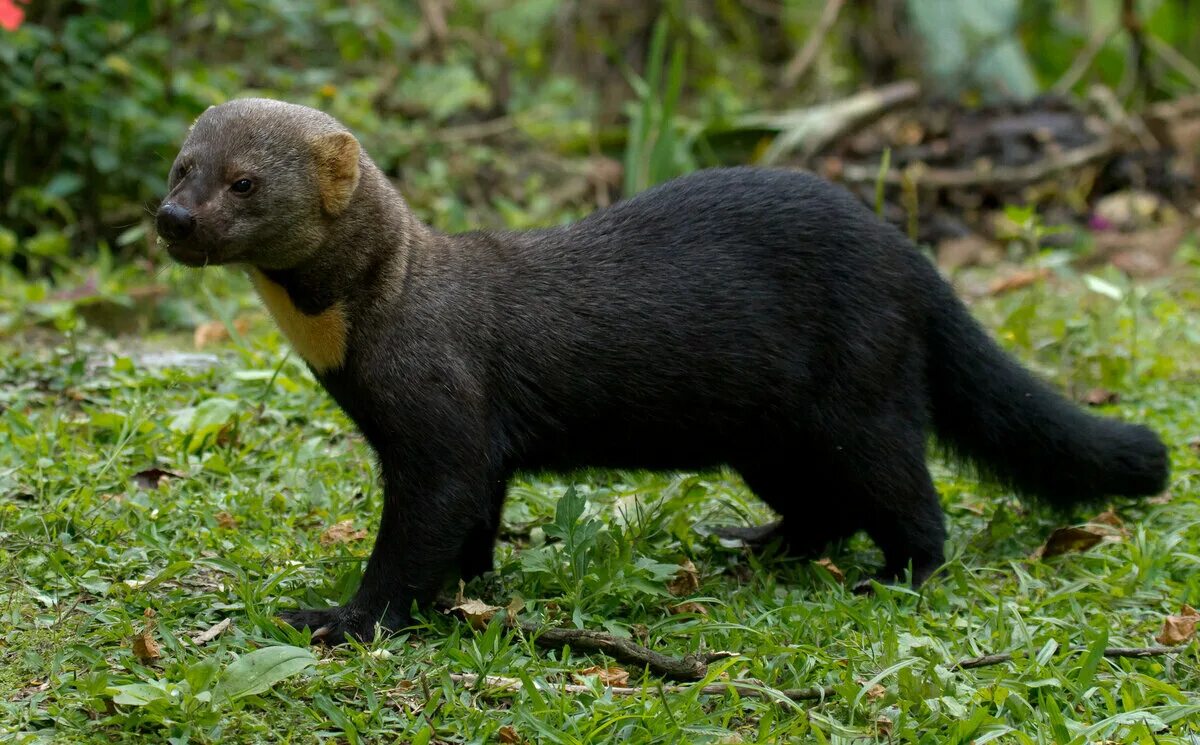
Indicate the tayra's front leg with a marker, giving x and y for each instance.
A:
(429, 513)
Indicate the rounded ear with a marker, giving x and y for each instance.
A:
(336, 156)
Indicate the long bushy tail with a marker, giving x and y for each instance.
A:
(990, 410)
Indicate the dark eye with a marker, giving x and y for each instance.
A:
(241, 186)
(182, 169)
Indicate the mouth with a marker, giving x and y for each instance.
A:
(189, 255)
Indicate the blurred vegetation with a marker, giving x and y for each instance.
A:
(496, 112)
(206, 485)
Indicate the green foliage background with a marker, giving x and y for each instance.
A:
(97, 94)
(202, 486)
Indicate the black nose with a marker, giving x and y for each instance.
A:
(174, 222)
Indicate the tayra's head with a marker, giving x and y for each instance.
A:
(258, 182)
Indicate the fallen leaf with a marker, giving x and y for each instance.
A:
(508, 735)
(1142, 253)
(967, 250)
(204, 637)
(513, 609)
(212, 332)
(226, 520)
(686, 581)
(1069, 540)
(1018, 280)
(883, 726)
(609, 676)
(832, 568)
(876, 692)
(342, 532)
(1163, 498)
(1100, 397)
(1179, 629)
(1110, 518)
(31, 688)
(153, 478)
(145, 648)
(689, 607)
(475, 612)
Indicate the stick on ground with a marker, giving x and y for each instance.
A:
(695, 666)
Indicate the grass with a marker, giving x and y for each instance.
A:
(264, 465)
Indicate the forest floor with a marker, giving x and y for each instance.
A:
(159, 504)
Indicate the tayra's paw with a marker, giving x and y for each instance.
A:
(755, 537)
(333, 626)
(893, 578)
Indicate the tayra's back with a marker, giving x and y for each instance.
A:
(716, 310)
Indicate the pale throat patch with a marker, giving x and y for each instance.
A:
(319, 339)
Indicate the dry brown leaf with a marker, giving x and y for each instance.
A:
(1100, 397)
(212, 332)
(689, 607)
(883, 726)
(832, 568)
(1163, 498)
(1143, 253)
(1071, 540)
(1018, 280)
(145, 648)
(513, 610)
(686, 580)
(508, 735)
(226, 520)
(1179, 629)
(475, 612)
(342, 532)
(609, 676)
(1109, 518)
(967, 250)
(204, 637)
(876, 692)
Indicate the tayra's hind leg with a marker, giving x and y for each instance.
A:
(754, 537)
(811, 519)
(898, 503)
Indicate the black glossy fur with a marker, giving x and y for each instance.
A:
(759, 319)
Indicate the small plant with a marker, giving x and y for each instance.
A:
(658, 147)
(593, 565)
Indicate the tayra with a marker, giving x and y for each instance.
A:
(758, 319)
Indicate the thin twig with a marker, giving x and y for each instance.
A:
(988, 660)
(754, 689)
(999, 176)
(808, 53)
(1084, 61)
(691, 667)
(695, 666)
(1172, 57)
(745, 690)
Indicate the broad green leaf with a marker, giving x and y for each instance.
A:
(1102, 287)
(136, 694)
(259, 670)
